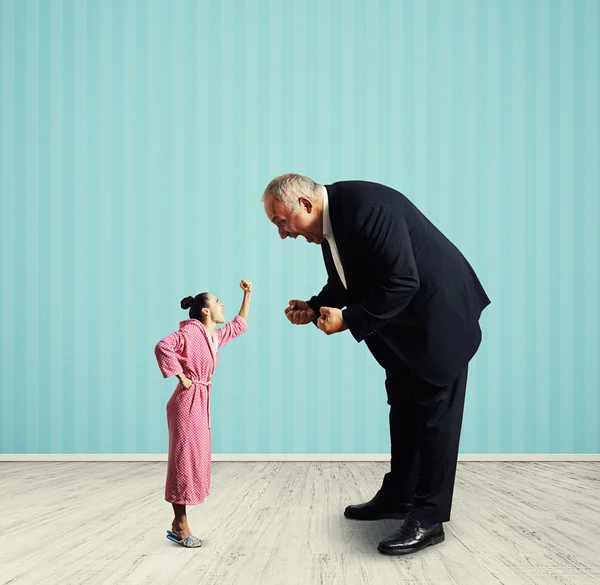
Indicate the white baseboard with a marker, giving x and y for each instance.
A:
(293, 457)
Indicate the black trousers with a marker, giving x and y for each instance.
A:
(425, 425)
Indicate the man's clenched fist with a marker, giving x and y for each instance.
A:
(299, 313)
(331, 321)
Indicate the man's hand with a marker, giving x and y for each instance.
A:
(299, 313)
(331, 321)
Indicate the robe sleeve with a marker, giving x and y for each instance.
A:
(167, 353)
(234, 328)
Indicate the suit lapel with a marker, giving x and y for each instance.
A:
(328, 259)
(337, 229)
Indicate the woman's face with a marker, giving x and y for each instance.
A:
(215, 307)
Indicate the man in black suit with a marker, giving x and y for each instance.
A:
(415, 301)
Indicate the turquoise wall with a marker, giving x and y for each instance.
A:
(136, 140)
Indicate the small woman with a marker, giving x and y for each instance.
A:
(191, 354)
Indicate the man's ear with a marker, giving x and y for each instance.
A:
(306, 204)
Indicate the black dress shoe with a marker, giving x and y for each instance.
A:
(412, 537)
(376, 509)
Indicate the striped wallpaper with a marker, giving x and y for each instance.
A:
(136, 140)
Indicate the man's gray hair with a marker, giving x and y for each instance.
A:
(287, 188)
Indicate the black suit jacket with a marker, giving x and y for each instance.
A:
(409, 287)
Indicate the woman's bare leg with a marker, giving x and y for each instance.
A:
(180, 523)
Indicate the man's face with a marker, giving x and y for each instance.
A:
(302, 221)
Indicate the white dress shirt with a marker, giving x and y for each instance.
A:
(328, 235)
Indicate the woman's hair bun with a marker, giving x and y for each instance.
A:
(187, 302)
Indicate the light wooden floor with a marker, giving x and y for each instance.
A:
(282, 523)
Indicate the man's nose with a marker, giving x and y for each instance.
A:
(282, 234)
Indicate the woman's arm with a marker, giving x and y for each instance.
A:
(246, 286)
(238, 325)
(167, 352)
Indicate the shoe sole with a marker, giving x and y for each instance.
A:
(436, 540)
(391, 516)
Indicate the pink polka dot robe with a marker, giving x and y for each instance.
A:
(188, 411)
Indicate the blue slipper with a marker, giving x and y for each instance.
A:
(188, 542)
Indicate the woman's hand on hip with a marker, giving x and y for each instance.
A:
(185, 381)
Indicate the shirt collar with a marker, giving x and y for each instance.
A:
(327, 231)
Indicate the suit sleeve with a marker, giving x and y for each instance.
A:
(385, 239)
